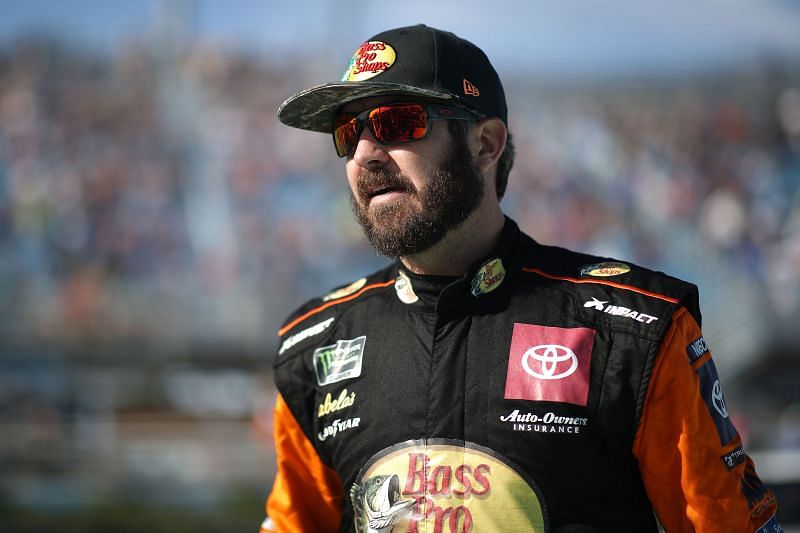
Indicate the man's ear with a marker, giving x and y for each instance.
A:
(492, 134)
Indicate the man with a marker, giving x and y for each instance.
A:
(485, 382)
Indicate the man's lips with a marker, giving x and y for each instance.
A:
(384, 190)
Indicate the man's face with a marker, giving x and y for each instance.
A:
(408, 196)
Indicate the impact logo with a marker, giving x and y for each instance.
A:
(339, 361)
(440, 486)
(549, 364)
(618, 310)
(371, 58)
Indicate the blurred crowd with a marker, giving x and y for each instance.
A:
(149, 194)
(156, 195)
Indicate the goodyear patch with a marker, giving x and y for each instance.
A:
(604, 270)
(717, 407)
(345, 291)
(489, 277)
(339, 361)
(697, 349)
(371, 58)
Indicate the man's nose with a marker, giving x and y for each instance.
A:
(369, 152)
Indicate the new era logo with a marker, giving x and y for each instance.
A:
(470, 89)
(549, 364)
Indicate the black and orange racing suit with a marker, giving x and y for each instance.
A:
(543, 391)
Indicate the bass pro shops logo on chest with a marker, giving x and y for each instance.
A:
(549, 364)
(440, 485)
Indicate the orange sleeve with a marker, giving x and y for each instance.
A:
(691, 459)
(307, 495)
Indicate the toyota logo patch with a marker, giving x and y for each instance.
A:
(550, 361)
(547, 363)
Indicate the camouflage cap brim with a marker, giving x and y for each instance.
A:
(315, 108)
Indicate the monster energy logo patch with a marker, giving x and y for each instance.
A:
(339, 361)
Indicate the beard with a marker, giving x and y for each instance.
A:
(421, 218)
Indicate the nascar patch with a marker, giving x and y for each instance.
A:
(339, 361)
(697, 349)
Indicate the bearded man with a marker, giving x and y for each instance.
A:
(483, 381)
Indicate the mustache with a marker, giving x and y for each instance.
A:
(370, 182)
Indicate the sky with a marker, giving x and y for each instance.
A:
(556, 36)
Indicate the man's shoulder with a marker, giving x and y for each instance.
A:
(317, 315)
(613, 284)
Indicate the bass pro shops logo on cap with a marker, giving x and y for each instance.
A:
(371, 58)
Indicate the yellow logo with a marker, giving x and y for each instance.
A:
(489, 277)
(371, 58)
(605, 270)
(329, 405)
(346, 291)
(440, 485)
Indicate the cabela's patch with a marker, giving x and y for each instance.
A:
(371, 58)
(604, 270)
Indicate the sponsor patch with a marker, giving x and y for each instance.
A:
(547, 423)
(489, 277)
(316, 329)
(734, 458)
(345, 291)
(404, 289)
(371, 58)
(439, 485)
(339, 361)
(697, 349)
(549, 364)
(618, 310)
(711, 390)
(336, 427)
(329, 405)
(604, 270)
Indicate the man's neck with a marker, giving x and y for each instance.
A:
(461, 247)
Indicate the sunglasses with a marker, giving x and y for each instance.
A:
(392, 124)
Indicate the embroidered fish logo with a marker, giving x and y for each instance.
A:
(377, 505)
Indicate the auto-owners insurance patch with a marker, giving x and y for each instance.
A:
(339, 361)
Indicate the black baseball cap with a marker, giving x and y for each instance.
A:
(416, 61)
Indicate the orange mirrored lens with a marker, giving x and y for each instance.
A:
(389, 124)
(396, 124)
(345, 133)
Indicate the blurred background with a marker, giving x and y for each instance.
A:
(157, 223)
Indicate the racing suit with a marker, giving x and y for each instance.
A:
(545, 390)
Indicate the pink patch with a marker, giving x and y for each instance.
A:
(549, 364)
